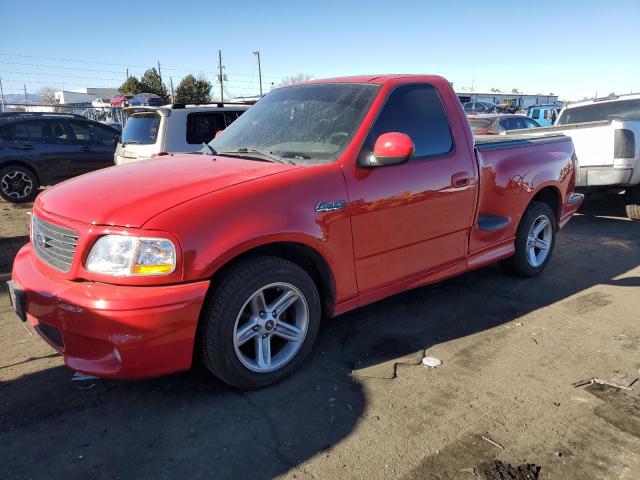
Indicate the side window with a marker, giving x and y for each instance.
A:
(88, 132)
(58, 132)
(515, 123)
(536, 114)
(202, 127)
(38, 131)
(504, 124)
(529, 123)
(415, 110)
(81, 131)
(19, 132)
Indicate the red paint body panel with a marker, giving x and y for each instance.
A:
(151, 327)
(403, 226)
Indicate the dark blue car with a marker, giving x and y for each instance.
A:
(146, 99)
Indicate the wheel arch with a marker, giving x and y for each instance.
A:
(303, 255)
(551, 196)
(23, 164)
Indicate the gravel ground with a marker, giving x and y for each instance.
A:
(502, 404)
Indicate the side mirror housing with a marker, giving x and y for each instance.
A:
(391, 148)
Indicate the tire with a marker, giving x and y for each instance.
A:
(525, 262)
(18, 184)
(632, 200)
(231, 316)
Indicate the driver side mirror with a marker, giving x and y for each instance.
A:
(391, 148)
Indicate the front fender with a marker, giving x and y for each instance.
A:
(216, 228)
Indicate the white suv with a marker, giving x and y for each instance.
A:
(155, 131)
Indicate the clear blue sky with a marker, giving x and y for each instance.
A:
(572, 48)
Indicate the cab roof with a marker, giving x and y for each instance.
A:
(378, 79)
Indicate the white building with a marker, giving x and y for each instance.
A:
(83, 95)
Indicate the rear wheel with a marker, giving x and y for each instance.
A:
(18, 184)
(260, 323)
(632, 197)
(535, 240)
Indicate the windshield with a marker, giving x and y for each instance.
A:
(305, 123)
(601, 111)
(141, 128)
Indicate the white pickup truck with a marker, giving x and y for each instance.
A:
(606, 136)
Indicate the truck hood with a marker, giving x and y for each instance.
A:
(129, 195)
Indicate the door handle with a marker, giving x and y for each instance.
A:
(460, 179)
(26, 146)
(86, 149)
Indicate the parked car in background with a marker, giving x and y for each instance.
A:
(101, 103)
(606, 134)
(46, 148)
(146, 100)
(472, 108)
(233, 256)
(544, 115)
(493, 124)
(120, 99)
(152, 131)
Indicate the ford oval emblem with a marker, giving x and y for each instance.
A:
(41, 241)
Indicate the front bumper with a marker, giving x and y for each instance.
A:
(112, 331)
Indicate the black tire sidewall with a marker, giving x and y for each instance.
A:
(32, 176)
(222, 309)
(519, 262)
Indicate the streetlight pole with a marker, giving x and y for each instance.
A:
(257, 54)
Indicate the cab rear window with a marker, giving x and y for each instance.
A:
(601, 111)
(141, 128)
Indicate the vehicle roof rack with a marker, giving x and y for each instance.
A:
(211, 104)
(40, 114)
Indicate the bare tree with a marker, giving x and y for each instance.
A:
(297, 78)
(48, 94)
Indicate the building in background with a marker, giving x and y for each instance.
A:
(83, 95)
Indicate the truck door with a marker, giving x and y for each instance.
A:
(411, 218)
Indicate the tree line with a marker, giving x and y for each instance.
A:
(189, 90)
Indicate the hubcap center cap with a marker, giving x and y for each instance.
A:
(269, 324)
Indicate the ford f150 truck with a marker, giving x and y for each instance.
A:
(323, 197)
(606, 135)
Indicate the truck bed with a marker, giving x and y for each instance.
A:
(498, 142)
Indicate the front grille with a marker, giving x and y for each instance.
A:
(55, 245)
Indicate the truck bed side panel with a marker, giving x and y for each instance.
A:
(511, 174)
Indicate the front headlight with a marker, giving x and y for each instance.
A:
(125, 255)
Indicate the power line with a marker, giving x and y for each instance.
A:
(124, 65)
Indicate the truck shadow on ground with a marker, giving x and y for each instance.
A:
(190, 425)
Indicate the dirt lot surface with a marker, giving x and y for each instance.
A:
(363, 407)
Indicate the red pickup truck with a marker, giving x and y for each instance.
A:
(321, 198)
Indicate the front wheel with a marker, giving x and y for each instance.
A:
(260, 323)
(535, 239)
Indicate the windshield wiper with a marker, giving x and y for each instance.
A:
(208, 147)
(257, 154)
(132, 142)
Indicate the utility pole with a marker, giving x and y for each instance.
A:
(2, 94)
(220, 77)
(173, 99)
(127, 74)
(257, 54)
(25, 93)
(159, 71)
